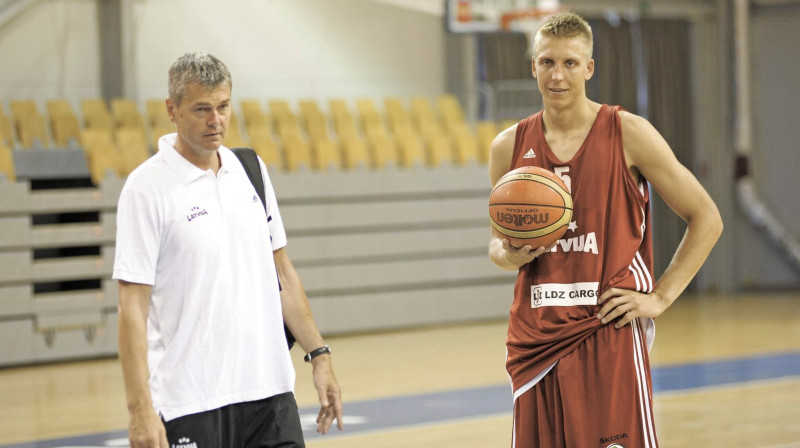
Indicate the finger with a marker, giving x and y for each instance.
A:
(613, 292)
(625, 319)
(616, 313)
(338, 412)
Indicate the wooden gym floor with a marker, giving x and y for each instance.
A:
(726, 374)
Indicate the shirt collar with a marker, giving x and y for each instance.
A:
(186, 170)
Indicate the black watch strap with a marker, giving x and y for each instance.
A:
(316, 352)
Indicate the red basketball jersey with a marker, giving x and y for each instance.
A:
(607, 244)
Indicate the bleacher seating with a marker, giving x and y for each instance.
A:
(30, 124)
(96, 114)
(7, 171)
(63, 123)
(6, 134)
(365, 235)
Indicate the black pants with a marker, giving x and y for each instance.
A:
(273, 422)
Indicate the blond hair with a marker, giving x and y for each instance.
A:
(566, 25)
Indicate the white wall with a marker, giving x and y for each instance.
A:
(51, 51)
(286, 49)
(294, 49)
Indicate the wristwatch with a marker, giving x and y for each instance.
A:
(316, 352)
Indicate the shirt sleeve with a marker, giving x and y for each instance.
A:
(138, 237)
(276, 231)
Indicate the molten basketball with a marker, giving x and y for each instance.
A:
(530, 205)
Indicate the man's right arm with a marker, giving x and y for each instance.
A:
(502, 254)
(145, 428)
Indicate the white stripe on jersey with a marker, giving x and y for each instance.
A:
(644, 395)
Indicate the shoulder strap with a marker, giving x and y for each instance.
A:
(251, 166)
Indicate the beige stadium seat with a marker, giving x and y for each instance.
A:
(465, 145)
(126, 113)
(157, 115)
(314, 119)
(285, 119)
(157, 132)
(296, 152)
(411, 151)
(6, 134)
(233, 136)
(451, 112)
(486, 132)
(326, 154)
(371, 119)
(254, 115)
(29, 124)
(63, 123)
(7, 170)
(439, 146)
(343, 121)
(423, 116)
(264, 144)
(132, 147)
(398, 116)
(354, 152)
(383, 151)
(101, 153)
(96, 115)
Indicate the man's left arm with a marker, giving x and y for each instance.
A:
(297, 316)
(649, 154)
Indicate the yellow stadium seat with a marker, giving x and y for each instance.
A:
(156, 132)
(96, 115)
(285, 119)
(7, 164)
(486, 132)
(126, 113)
(440, 151)
(297, 153)
(29, 123)
(233, 136)
(265, 146)
(326, 155)
(465, 146)
(6, 134)
(63, 122)
(451, 112)
(101, 153)
(343, 120)
(133, 149)
(382, 149)
(410, 150)
(398, 116)
(354, 152)
(423, 117)
(314, 119)
(157, 113)
(371, 119)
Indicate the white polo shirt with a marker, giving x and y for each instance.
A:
(214, 329)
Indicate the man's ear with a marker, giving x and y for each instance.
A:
(172, 109)
(590, 69)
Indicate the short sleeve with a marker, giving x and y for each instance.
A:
(138, 237)
(276, 231)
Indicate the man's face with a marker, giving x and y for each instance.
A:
(201, 119)
(561, 68)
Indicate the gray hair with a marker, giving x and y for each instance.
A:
(199, 68)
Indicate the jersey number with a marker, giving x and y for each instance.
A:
(561, 171)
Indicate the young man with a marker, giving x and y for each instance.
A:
(205, 286)
(581, 322)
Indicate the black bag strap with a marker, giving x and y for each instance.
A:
(249, 160)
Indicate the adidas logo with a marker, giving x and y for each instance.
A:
(530, 154)
(255, 198)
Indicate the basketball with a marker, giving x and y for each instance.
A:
(530, 205)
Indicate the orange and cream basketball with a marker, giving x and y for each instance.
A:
(530, 206)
